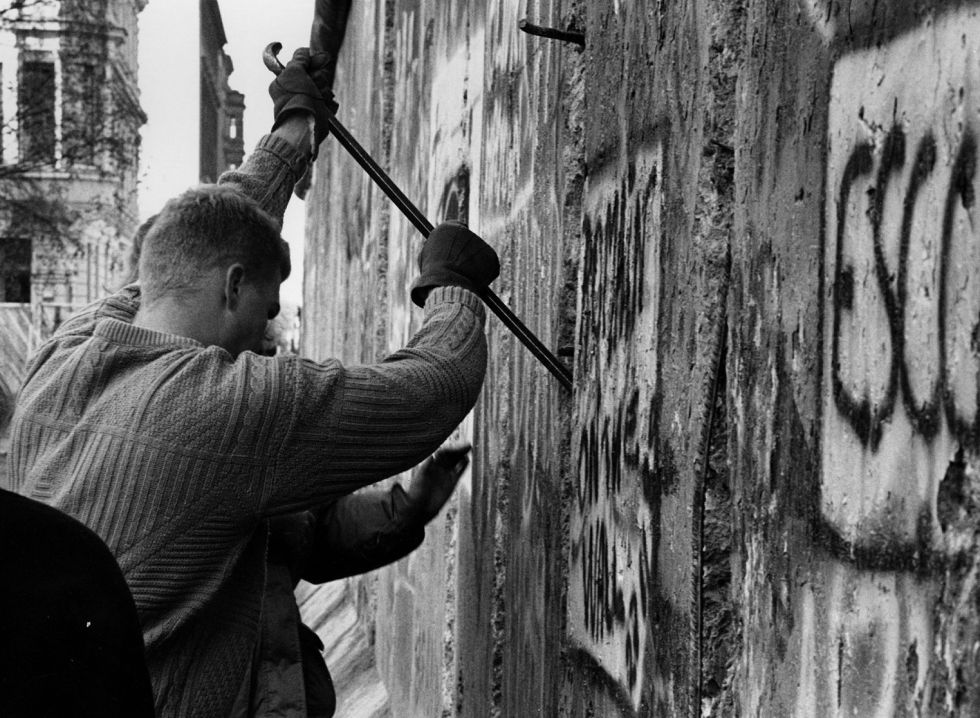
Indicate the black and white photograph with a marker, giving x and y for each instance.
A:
(489, 359)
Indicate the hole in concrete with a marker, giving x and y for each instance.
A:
(952, 497)
(912, 666)
(840, 669)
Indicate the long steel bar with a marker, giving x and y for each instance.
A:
(423, 225)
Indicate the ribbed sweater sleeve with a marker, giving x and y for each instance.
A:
(268, 174)
(352, 426)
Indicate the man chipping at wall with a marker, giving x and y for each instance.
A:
(150, 417)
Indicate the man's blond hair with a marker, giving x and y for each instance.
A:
(205, 227)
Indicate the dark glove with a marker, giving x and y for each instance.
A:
(453, 256)
(302, 87)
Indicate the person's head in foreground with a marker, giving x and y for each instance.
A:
(212, 263)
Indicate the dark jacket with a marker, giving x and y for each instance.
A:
(70, 640)
(353, 535)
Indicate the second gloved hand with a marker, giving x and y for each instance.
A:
(454, 256)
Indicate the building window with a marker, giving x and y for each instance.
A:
(35, 112)
(15, 270)
(82, 112)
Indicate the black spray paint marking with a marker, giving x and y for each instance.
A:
(614, 450)
(961, 191)
(867, 418)
(607, 608)
(455, 201)
(874, 552)
(618, 450)
(613, 266)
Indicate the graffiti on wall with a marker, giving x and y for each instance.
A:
(901, 376)
(454, 203)
(613, 554)
(901, 334)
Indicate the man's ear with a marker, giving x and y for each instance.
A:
(234, 276)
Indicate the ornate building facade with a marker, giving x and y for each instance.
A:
(69, 144)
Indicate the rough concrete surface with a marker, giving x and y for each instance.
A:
(748, 227)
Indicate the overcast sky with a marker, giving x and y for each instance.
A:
(251, 25)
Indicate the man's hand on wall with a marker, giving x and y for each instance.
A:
(437, 477)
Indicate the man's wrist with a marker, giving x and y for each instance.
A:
(296, 128)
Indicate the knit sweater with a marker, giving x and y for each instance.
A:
(175, 453)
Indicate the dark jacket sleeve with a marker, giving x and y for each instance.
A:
(353, 535)
(361, 532)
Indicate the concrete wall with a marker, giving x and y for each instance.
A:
(747, 225)
(854, 365)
